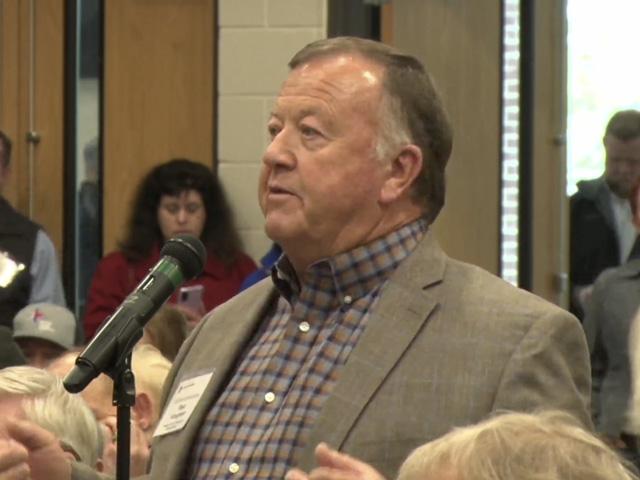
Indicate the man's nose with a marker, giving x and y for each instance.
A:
(280, 151)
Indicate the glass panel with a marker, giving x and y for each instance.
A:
(87, 222)
(603, 77)
(510, 151)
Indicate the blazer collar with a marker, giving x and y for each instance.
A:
(405, 304)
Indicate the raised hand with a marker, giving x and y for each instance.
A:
(333, 465)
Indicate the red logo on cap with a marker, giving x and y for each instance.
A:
(37, 316)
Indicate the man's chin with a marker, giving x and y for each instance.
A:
(278, 229)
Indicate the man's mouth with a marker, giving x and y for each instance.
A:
(278, 190)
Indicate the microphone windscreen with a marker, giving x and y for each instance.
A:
(189, 251)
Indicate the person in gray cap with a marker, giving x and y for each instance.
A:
(44, 331)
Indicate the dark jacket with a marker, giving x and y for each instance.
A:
(17, 242)
(593, 240)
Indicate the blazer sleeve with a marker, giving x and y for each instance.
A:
(549, 369)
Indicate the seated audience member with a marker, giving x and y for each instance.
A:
(150, 369)
(29, 270)
(177, 197)
(510, 446)
(166, 331)
(44, 331)
(38, 396)
(10, 353)
(98, 394)
(614, 301)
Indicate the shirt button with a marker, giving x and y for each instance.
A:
(304, 327)
(234, 468)
(269, 397)
(348, 299)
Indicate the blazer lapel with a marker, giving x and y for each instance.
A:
(402, 309)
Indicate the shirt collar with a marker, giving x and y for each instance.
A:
(352, 274)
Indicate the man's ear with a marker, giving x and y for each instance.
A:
(143, 411)
(403, 170)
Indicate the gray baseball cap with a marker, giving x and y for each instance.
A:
(46, 321)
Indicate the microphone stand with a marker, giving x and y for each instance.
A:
(124, 397)
(110, 350)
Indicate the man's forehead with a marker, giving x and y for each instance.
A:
(300, 107)
(616, 146)
(323, 87)
(346, 73)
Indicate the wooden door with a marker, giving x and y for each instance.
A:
(31, 100)
(460, 44)
(159, 94)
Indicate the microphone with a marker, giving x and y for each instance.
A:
(182, 258)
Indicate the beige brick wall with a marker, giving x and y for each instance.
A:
(257, 38)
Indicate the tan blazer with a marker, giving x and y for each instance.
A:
(447, 344)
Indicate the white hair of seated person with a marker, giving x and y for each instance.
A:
(150, 369)
(47, 404)
(509, 446)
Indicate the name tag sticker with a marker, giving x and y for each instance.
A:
(182, 403)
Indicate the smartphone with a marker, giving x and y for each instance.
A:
(191, 297)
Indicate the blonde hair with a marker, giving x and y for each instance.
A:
(47, 404)
(150, 368)
(167, 330)
(542, 446)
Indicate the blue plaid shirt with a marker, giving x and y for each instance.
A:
(262, 418)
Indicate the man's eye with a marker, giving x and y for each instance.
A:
(309, 132)
(273, 131)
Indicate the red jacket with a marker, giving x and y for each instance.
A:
(116, 277)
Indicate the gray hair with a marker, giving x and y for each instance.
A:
(545, 445)
(47, 404)
(411, 111)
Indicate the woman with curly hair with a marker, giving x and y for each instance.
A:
(176, 197)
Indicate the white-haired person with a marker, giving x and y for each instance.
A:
(150, 369)
(33, 394)
(549, 445)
